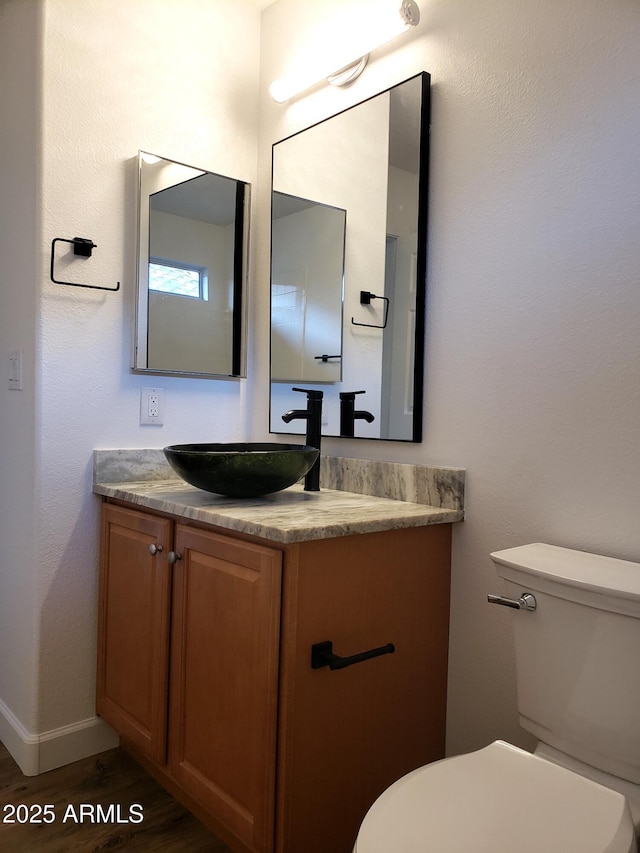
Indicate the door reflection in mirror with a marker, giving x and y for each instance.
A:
(371, 162)
(307, 274)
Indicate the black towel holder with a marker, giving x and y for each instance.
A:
(365, 299)
(83, 247)
(322, 654)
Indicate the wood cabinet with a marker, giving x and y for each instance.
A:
(133, 627)
(211, 619)
(205, 670)
(224, 679)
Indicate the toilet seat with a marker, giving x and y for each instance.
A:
(497, 800)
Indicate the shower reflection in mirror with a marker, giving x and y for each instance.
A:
(307, 274)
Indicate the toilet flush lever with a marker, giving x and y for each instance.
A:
(527, 601)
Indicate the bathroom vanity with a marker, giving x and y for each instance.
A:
(214, 620)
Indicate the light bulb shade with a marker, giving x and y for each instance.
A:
(362, 40)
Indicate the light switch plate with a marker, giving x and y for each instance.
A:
(15, 370)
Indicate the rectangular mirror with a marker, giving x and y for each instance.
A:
(348, 292)
(192, 269)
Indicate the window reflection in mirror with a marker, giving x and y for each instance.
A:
(191, 270)
(370, 161)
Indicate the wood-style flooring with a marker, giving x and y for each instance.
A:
(110, 779)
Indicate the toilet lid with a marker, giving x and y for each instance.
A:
(497, 800)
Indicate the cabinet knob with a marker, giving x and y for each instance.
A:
(172, 557)
(155, 549)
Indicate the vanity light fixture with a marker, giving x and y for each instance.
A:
(391, 23)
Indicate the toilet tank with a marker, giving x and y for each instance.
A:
(578, 653)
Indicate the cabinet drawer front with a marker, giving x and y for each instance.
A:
(133, 627)
(224, 671)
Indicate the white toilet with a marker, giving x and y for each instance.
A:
(576, 621)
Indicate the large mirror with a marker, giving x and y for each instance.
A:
(192, 268)
(348, 266)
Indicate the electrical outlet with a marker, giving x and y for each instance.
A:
(152, 406)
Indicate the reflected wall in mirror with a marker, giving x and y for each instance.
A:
(192, 266)
(369, 162)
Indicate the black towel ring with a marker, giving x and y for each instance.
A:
(83, 247)
(365, 299)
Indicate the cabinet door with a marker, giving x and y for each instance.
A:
(346, 735)
(224, 679)
(133, 627)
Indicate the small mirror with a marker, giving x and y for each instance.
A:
(348, 269)
(192, 266)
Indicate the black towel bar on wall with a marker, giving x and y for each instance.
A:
(83, 247)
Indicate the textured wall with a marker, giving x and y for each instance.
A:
(20, 33)
(177, 78)
(533, 303)
(532, 354)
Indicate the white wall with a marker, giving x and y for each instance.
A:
(533, 303)
(178, 78)
(20, 169)
(533, 308)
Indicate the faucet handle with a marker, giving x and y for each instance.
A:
(310, 392)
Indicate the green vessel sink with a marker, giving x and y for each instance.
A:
(241, 470)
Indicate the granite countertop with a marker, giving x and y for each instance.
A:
(292, 515)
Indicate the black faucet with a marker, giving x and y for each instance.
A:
(313, 416)
(348, 413)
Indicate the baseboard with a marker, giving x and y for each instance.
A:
(71, 743)
(23, 746)
(35, 754)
